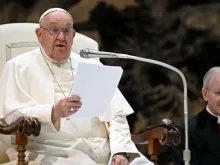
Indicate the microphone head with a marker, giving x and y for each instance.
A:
(83, 53)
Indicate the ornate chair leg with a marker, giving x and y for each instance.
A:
(154, 150)
(22, 128)
(21, 141)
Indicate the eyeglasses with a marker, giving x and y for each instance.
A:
(215, 92)
(55, 31)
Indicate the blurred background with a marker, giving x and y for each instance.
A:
(182, 33)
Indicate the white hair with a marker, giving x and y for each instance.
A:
(209, 74)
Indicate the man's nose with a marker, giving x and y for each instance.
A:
(61, 35)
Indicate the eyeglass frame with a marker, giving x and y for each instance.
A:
(215, 92)
(59, 30)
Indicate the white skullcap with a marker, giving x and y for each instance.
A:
(52, 10)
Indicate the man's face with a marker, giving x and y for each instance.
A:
(57, 46)
(212, 94)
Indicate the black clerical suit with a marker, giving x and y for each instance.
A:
(204, 141)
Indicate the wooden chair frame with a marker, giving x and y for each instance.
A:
(154, 136)
(22, 128)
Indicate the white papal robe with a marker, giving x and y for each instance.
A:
(28, 88)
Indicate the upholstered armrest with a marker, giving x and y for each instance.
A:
(22, 128)
(155, 136)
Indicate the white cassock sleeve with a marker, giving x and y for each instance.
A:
(120, 138)
(15, 100)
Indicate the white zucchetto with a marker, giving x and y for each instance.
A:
(52, 10)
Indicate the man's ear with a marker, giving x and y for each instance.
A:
(38, 34)
(74, 33)
(205, 94)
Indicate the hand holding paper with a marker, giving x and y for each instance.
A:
(96, 85)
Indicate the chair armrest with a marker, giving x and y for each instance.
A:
(155, 136)
(22, 128)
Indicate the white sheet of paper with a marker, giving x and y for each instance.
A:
(96, 85)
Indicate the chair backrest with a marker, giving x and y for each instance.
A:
(17, 38)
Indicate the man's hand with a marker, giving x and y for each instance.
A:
(66, 107)
(120, 159)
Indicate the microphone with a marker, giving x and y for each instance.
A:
(89, 53)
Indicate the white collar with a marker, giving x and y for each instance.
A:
(210, 112)
(59, 64)
(45, 55)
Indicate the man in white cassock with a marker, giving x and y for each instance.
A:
(38, 84)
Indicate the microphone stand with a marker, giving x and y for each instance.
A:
(186, 152)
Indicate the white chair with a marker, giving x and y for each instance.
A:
(17, 38)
